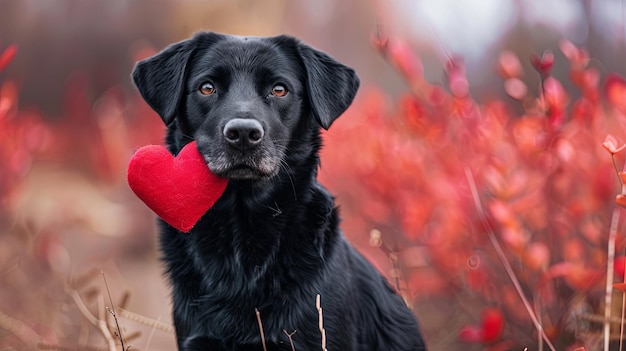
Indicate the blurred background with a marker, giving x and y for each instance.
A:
(513, 92)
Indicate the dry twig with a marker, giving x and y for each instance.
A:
(318, 305)
(98, 323)
(149, 322)
(258, 319)
(289, 335)
(111, 310)
(25, 334)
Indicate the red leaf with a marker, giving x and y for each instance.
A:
(575, 274)
(437, 96)
(379, 41)
(516, 88)
(492, 324)
(586, 79)
(621, 200)
(620, 286)
(490, 329)
(413, 114)
(611, 144)
(537, 256)
(615, 91)
(457, 77)
(582, 110)
(8, 98)
(577, 56)
(7, 56)
(554, 93)
(471, 333)
(622, 175)
(509, 65)
(409, 64)
(543, 64)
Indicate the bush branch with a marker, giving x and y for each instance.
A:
(503, 259)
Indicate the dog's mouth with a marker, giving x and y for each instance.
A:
(248, 169)
(247, 172)
(260, 163)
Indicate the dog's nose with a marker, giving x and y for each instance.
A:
(243, 132)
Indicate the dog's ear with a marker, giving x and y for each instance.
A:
(161, 78)
(331, 85)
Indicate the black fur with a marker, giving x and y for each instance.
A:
(271, 243)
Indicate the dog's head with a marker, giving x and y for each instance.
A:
(244, 99)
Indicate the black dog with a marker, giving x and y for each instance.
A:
(271, 243)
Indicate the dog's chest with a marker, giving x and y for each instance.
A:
(275, 319)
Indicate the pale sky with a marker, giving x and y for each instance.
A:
(470, 27)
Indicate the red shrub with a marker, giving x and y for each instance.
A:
(546, 184)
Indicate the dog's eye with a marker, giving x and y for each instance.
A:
(207, 89)
(279, 90)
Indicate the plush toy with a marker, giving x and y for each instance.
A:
(178, 189)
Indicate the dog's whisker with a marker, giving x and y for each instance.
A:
(293, 185)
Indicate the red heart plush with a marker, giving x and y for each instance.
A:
(178, 189)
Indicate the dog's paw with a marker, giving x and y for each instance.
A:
(178, 189)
